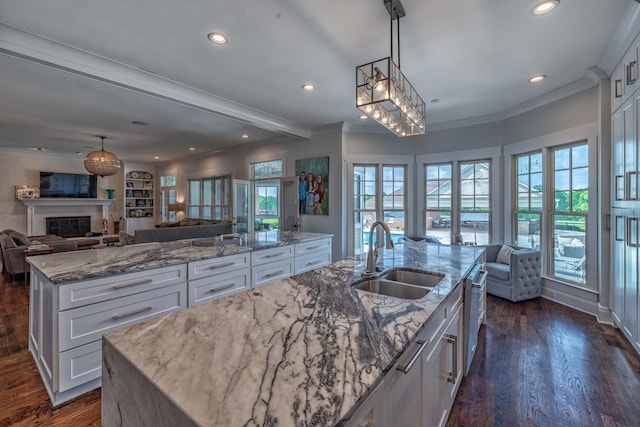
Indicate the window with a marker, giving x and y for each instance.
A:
(167, 197)
(269, 169)
(369, 182)
(266, 193)
(210, 198)
(569, 212)
(528, 197)
(475, 202)
(438, 181)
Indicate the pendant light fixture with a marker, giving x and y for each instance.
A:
(385, 94)
(102, 163)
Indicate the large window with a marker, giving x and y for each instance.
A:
(438, 181)
(475, 202)
(528, 197)
(569, 212)
(380, 191)
(266, 197)
(210, 198)
(167, 197)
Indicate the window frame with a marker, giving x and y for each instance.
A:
(515, 197)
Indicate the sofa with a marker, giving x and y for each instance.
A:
(515, 275)
(187, 228)
(13, 244)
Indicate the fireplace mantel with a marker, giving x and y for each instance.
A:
(61, 201)
(32, 204)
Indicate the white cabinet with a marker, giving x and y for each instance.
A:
(421, 388)
(215, 278)
(625, 267)
(370, 412)
(67, 321)
(625, 184)
(312, 254)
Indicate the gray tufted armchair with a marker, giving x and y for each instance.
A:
(519, 280)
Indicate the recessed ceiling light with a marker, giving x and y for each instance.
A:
(538, 78)
(192, 148)
(245, 136)
(217, 38)
(156, 157)
(363, 117)
(545, 7)
(39, 148)
(79, 153)
(139, 123)
(308, 87)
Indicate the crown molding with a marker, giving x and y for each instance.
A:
(622, 38)
(39, 50)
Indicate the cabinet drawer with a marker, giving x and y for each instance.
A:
(313, 260)
(313, 246)
(210, 288)
(272, 255)
(263, 274)
(215, 266)
(98, 290)
(83, 325)
(80, 365)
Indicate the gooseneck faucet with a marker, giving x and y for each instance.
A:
(372, 255)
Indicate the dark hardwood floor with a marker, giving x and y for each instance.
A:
(538, 364)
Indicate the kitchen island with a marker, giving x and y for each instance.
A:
(76, 297)
(306, 350)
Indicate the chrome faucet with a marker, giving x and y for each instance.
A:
(372, 256)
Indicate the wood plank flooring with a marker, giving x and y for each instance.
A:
(538, 364)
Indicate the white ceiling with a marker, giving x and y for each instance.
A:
(70, 70)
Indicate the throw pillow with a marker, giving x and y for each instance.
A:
(504, 256)
(19, 238)
(126, 239)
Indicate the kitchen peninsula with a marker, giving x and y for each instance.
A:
(75, 298)
(306, 350)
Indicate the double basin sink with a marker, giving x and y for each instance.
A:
(401, 283)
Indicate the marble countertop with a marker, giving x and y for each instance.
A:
(66, 267)
(301, 351)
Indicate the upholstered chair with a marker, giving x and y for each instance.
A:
(519, 279)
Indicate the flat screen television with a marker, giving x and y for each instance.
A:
(77, 185)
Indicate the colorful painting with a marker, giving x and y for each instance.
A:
(313, 185)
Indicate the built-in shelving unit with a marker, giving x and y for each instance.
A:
(139, 195)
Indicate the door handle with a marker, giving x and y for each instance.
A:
(406, 368)
(452, 376)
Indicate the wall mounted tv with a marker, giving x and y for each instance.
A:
(55, 184)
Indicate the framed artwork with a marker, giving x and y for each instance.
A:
(313, 185)
(27, 192)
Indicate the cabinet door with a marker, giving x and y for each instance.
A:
(455, 369)
(630, 149)
(404, 396)
(618, 265)
(630, 319)
(617, 170)
(434, 385)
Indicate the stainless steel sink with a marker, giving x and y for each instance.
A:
(392, 288)
(427, 279)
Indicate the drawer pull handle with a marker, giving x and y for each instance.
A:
(222, 288)
(313, 262)
(128, 285)
(275, 273)
(405, 369)
(452, 376)
(226, 264)
(309, 248)
(274, 255)
(131, 313)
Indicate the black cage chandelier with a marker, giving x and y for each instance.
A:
(384, 93)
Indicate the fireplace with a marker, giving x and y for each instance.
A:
(69, 226)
